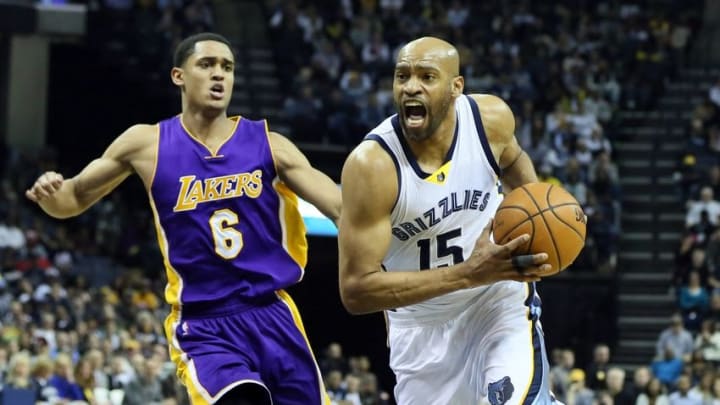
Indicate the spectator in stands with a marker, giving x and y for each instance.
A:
(64, 381)
(333, 359)
(641, 379)
(694, 262)
(577, 392)
(654, 394)
(668, 368)
(704, 387)
(596, 371)
(683, 394)
(676, 339)
(621, 394)
(708, 341)
(560, 373)
(41, 373)
(694, 302)
(333, 385)
(146, 388)
(706, 203)
(18, 374)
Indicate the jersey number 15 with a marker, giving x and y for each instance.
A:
(442, 247)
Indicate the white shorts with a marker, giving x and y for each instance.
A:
(490, 353)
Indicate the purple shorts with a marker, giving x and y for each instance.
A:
(264, 345)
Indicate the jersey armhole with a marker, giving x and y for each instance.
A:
(483, 136)
(386, 147)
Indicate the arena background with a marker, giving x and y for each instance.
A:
(616, 100)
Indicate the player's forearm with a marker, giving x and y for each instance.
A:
(63, 203)
(382, 290)
(519, 172)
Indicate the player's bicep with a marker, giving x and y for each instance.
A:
(365, 227)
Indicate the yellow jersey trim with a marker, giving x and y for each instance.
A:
(440, 175)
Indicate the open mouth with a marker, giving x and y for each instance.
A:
(217, 91)
(415, 113)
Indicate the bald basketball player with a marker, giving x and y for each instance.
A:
(419, 194)
(222, 190)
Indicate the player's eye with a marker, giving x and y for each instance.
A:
(429, 77)
(400, 76)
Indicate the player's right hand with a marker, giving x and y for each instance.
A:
(490, 262)
(45, 186)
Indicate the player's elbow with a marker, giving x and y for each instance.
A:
(352, 296)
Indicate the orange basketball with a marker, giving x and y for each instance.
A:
(550, 215)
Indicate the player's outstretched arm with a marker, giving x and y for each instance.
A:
(499, 123)
(64, 198)
(369, 189)
(310, 184)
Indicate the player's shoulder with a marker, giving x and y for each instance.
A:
(370, 158)
(138, 136)
(497, 117)
(141, 132)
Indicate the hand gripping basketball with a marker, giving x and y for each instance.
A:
(490, 262)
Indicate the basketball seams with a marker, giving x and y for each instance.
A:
(529, 217)
(562, 220)
(547, 225)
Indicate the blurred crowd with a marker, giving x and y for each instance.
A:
(681, 374)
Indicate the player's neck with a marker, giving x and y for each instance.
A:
(436, 146)
(205, 126)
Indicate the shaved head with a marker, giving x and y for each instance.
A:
(431, 49)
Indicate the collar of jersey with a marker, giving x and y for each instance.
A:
(408, 152)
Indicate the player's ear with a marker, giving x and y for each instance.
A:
(177, 76)
(458, 86)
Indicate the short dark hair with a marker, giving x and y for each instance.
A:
(187, 46)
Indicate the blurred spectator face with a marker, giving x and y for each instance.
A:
(364, 363)
(334, 380)
(117, 365)
(714, 174)
(683, 384)
(706, 194)
(63, 366)
(676, 323)
(615, 380)
(654, 387)
(352, 384)
(334, 351)
(602, 354)
(642, 376)
(567, 359)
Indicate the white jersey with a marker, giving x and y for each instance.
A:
(439, 216)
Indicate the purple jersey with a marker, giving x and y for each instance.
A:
(229, 229)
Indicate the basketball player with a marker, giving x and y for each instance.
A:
(419, 194)
(222, 192)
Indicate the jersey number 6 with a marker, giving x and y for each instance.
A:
(228, 240)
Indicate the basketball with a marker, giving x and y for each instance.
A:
(550, 215)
